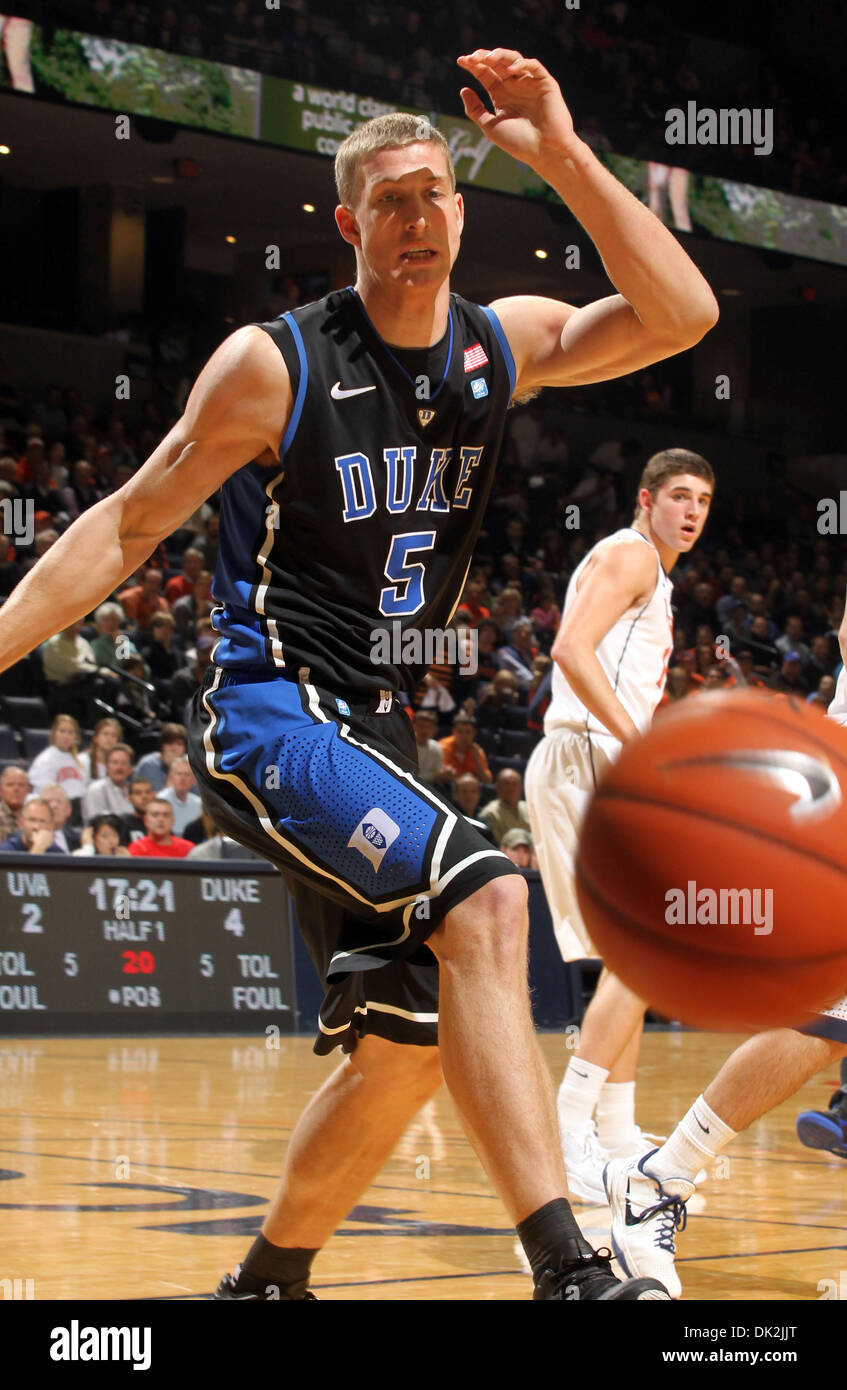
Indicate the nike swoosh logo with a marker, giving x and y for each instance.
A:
(339, 395)
(705, 1128)
(580, 1073)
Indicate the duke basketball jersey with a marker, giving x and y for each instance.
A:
(634, 653)
(367, 527)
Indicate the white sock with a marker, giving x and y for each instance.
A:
(696, 1141)
(579, 1092)
(616, 1114)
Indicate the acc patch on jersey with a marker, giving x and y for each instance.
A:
(479, 387)
(374, 835)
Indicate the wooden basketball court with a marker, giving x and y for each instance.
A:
(142, 1169)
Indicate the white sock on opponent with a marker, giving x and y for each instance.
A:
(696, 1141)
(579, 1092)
(616, 1114)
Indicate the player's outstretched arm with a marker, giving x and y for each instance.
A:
(664, 305)
(238, 407)
(617, 580)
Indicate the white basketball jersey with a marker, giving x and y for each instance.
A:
(838, 709)
(634, 653)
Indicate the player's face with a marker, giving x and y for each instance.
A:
(407, 221)
(679, 512)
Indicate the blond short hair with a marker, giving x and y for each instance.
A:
(389, 132)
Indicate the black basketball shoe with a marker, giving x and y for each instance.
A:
(240, 1286)
(590, 1278)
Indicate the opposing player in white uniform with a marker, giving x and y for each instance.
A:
(611, 654)
(647, 1192)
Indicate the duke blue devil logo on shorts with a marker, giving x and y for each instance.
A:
(375, 833)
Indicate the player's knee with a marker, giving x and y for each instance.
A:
(395, 1066)
(492, 923)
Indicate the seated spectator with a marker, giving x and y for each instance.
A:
(791, 680)
(517, 845)
(109, 793)
(141, 601)
(546, 616)
(134, 699)
(466, 793)
(36, 831)
(503, 690)
(61, 762)
(201, 829)
(162, 659)
(173, 744)
(715, 677)
(519, 653)
(10, 570)
(160, 842)
(45, 496)
(182, 584)
(198, 604)
(73, 674)
(141, 793)
(765, 653)
(727, 603)
(507, 811)
(430, 756)
(506, 608)
(461, 752)
(220, 846)
(107, 733)
(68, 659)
(792, 639)
(822, 697)
(473, 599)
(66, 836)
(188, 677)
(676, 687)
(821, 659)
(186, 804)
(102, 836)
(80, 493)
(14, 790)
(112, 647)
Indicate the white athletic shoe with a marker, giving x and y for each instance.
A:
(643, 1143)
(584, 1161)
(646, 1214)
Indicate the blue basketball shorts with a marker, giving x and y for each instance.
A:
(326, 787)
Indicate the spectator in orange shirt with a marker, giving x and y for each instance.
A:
(183, 584)
(159, 843)
(143, 600)
(472, 599)
(461, 753)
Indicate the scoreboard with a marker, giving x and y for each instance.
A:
(98, 945)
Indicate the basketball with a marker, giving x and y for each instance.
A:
(712, 865)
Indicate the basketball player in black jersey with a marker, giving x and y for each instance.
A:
(354, 441)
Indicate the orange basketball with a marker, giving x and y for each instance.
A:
(712, 864)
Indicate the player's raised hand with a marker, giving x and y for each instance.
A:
(530, 120)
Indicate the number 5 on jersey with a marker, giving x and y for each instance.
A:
(405, 594)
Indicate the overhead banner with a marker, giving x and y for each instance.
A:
(91, 70)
